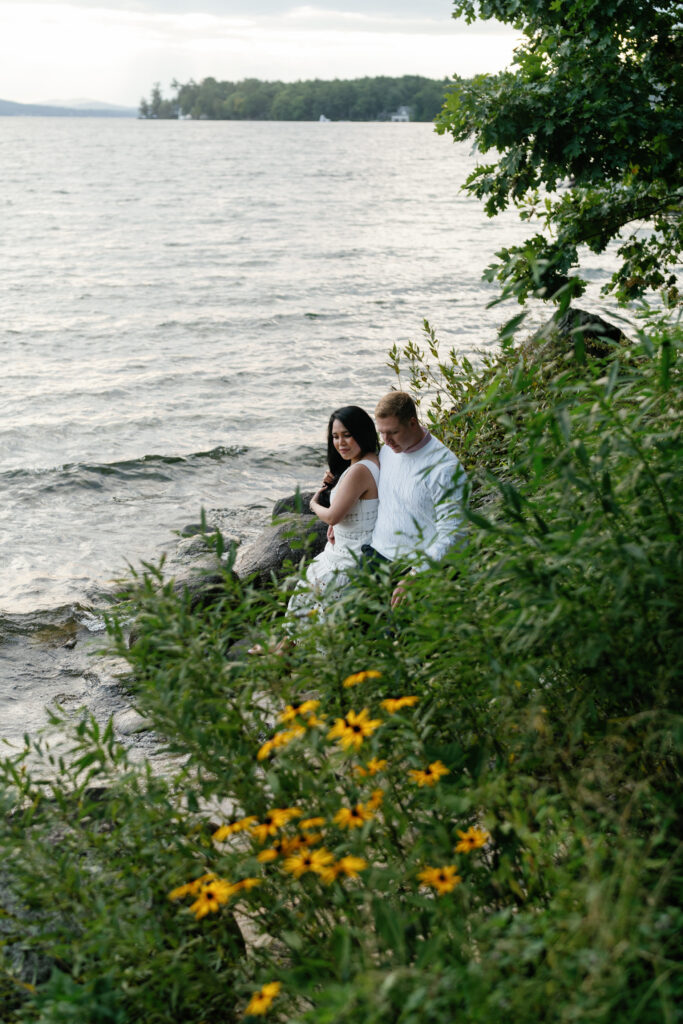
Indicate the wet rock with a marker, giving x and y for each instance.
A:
(299, 503)
(191, 530)
(129, 722)
(279, 549)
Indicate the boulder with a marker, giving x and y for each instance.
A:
(278, 549)
(598, 336)
(299, 503)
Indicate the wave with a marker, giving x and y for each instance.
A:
(150, 467)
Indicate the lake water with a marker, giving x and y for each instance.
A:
(182, 305)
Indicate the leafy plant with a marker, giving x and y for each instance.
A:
(464, 809)
(588, 129)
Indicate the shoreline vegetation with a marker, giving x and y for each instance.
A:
(393, 821)
(407, 98)
(464, 810)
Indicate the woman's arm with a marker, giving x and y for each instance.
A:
(357, 481)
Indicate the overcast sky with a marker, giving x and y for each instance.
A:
(115, 50)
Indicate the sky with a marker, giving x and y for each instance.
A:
(114, 50)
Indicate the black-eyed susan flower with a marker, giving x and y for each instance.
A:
(314, 722)
(308, 707)
(281, 848)
(291, 712)
(353, 817)
(348, 866)
(373, 766)
(191, 888)
(394, 704)
(287, 845)
(473, 839)
(375, 800)
(442, 879)
(280, 739)
(211, 897)
(429, 776)
(309, 823)
(272, 822)
(308, 860)
(354, 728)
(260, 1001)
(237, 826)
(360, 677)
(246, 884)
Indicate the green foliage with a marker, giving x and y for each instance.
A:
(360, 99)
(543, 666)
(157, 107)
(588, 127)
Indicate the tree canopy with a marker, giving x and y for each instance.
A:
(588, 128)
(360, 99)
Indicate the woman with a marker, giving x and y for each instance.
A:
(352, 447)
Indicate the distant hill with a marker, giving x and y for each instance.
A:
(10, 109)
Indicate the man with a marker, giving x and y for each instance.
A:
(420, 490)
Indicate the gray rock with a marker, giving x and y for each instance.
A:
(280, 547)
(599, 336)
(298, 503)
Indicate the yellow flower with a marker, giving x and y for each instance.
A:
(247, 884)
(375, 800)
(273, 822)
(353, 729)
(473, 839)
(442, 879)
(314, 722)
(290, 712)
(211, 897)
(191, 888)
(229, 830)
(280, 739)
(286, 846)
(308, 860)
(265, 856)
(350, 866)
(311, 823)
(431, 775)
(394, 704)
(373, 766)
(360, 677)
(353, 817)
(261, 1000)
(308, 707)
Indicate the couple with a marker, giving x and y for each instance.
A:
(400, 502)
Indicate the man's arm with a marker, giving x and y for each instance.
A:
(446, 484)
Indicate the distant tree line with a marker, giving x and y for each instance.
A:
(359, 99)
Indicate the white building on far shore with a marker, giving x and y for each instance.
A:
(402, 114)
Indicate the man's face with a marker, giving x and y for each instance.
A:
(397, 435)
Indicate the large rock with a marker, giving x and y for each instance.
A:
(278, 549)
(599, 337)
(299, 502)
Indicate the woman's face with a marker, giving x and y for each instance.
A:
(344, 442)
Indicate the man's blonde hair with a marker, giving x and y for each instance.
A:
(398, 404)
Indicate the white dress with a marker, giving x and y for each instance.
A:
(328, 573)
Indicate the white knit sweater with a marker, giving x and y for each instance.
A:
(420, 503)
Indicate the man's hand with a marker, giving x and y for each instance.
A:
(330, 534)
(400, 591)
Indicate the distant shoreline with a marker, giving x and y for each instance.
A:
(9, 108)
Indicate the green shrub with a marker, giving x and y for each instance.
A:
(507, 850)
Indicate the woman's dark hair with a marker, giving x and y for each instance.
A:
(362, 430)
